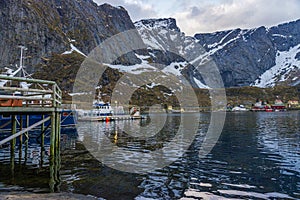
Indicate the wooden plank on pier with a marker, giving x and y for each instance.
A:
(27, 110)
(43, 91)
(26, 97)
(29, 80)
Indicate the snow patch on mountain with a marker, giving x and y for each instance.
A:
(200, 84)
(144, 66)
(213, 48)
(286, 62)
(221, 42)
(133, 69)
(73, 48)
(175, 68)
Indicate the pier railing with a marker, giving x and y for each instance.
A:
(25, 92)
(22, 98)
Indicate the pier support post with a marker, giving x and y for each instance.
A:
(13, 144)
(42, 142)
(55, 152)
(21, 140)
(57, 148)
(52, 153)
(26, 141)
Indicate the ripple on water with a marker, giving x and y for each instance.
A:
(257, 157)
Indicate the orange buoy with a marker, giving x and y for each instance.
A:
(107, 119)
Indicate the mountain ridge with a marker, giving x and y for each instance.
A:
(238, 52)
(262, 56)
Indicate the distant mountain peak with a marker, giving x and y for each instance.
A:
(168, 23)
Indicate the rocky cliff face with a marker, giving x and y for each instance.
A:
(241, 55)
(262, 57)
(51, 26)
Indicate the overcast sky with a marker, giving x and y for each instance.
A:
(198, 16)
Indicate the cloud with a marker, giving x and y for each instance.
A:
(137, 9)
(198, 16)
(222, 15)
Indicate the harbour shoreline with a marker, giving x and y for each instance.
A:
(44, 196)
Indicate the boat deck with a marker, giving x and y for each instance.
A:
(112, 118)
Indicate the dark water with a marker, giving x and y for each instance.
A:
(256, 157)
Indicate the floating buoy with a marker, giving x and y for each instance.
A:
(107, 119)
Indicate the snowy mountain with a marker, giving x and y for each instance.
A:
(54, 30)
(169, 46)
(261, 57)
(286, 69)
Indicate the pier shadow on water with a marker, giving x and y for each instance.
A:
(28, 166)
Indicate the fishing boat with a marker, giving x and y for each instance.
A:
(103, 111)
(99, 108)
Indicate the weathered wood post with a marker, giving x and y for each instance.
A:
(27, 139)
(13, 144)
(21, 140)
(55, 140)
(57, 148)
(52, 153)
(42, 142)
(58, 129)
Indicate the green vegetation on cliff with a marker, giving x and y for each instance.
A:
(63, 69)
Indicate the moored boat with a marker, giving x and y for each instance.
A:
(99, 108)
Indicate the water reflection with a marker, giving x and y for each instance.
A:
(278, 138)
(256, 157)
(28, 166)
(240, 166)
(115, 145)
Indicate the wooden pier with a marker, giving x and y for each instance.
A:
(42, 98)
